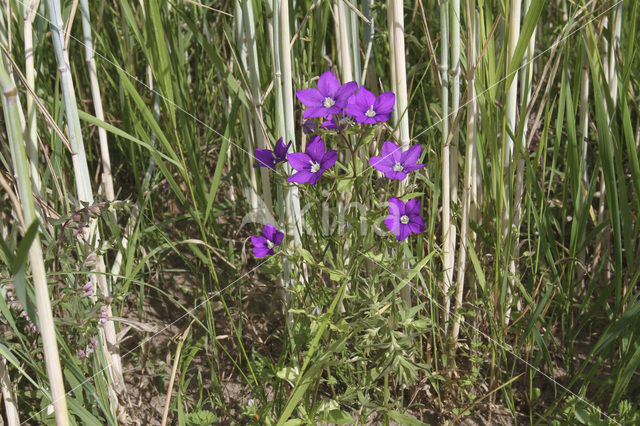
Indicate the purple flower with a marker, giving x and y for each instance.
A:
(312, 164)
(263, 245)
(309, 127)
(88, 289)
(102, 316)
(404, 218)
(367, 109)
(344, 120)
(269, 158)
(81, 354)
(396, 164)
(329, 98)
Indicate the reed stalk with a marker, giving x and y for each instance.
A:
(256, 95)
(251, 193)
(30, 8)
(466, 237)
(45, 316)
(511, 105)
(447, 248)
(525, 91)
(344, 42)
(89, 53)
(399, 87)
(292, 198)
(8, 395)
(85, 193)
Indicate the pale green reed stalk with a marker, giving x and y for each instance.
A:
(84, 191)
(45, 316)
(256, 95)
(8, 396)
(252, 191)
(30, 8)
(292, 200)
(466, 237)
(525, 93)
(511, 105)
(399, 87)
(89, 53)
(584, 146)
(447, 248)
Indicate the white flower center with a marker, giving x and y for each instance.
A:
(328, 102)
(269, 244)
(370, 112)
(398, 167)
(404, 219)
(314, 166)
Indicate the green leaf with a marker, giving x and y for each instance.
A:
(338, 417)
(405, 420)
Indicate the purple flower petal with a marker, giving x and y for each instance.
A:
(302, 177)
(384, 103)
(382, 117)
(364, 98)
(391, 152)
(299, 160)
(345, 91)
(315, 111)
(396, 207)
(403, 232)
(278, 238)
(310, 97)
(392, 223)
(412, 155)
(328, 160)
(316, 149)
(416, 224)
(264, 158)
(328, 84)
(392, 174)
(262, 251)
(280, 151)
(259, 241)
(315, 177)
(413, 207)
(410, 168)
(269, 231)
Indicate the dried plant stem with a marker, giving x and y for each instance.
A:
(45, 316)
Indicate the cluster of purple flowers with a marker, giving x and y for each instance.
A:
(88, 350)
(336, 106)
